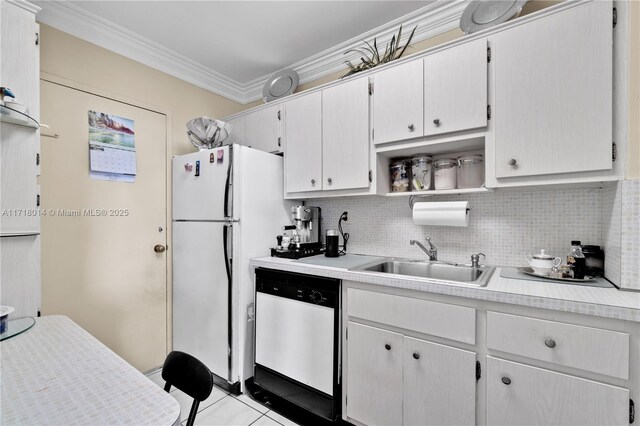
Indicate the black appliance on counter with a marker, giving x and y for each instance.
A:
(297, 345)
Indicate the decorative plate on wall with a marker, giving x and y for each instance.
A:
(280, 84)
(481, 14)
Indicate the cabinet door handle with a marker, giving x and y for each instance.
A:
(387, 347)
(506, 380)
(411, 127)
(279, 141)
(512, 162)
(313, 181)
(329, 180)
(550, 343)
(436, 121)
(279, 116)
(416, 355)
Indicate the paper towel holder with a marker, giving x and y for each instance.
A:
(412, 201)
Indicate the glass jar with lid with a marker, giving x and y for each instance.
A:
(421, 172)
(444, 173)
(399, 172)
(470, 171)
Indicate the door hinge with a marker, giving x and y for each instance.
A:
(38, 38)
(279, 115)
(632, 411)
(614, 151)
(370, 89)
(488, 112)
(38, 200)
(488, 54)
(615, 17)
(37, 159)
(370, 176)
(478, 370)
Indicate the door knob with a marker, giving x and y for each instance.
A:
(512, 162)
(159, 248)
(411, 127)
(329, 180)
(416, 355)
(506, 380)
(387, 347)
(313, 181)
(550, 343)
(436, 121)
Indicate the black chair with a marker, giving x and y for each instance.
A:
(190, 376)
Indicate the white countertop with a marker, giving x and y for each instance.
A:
(57, 373)
(603, 302)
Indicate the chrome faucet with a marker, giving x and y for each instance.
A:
(432, 251)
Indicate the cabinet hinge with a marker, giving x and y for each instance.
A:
(615, 17)
(346, 399)
(38, 200)
(279, 116)
(37, 159)
(478, 370)
(346, 333)
(488, 112)
(370, 89)
(632, 411)
(370, 176)
(488, 54)
(373, 134)
(614, 151)
(37, 39)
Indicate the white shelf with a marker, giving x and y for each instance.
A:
(439, 192)
(11, 116)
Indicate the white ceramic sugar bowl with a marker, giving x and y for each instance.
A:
(542, 263)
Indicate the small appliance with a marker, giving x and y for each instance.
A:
(305, 238)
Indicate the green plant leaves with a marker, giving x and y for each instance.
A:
(371, 56)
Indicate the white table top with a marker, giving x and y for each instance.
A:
(603, 302)
(57, 373)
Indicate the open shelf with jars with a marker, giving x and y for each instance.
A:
(440, 167)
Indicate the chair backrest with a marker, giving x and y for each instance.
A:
(188, 374)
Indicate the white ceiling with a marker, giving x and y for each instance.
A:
(235, 45)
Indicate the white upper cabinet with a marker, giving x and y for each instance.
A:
(397, 103)
(455, 89)
(238, 131)
(345, 135)
(303, 139)
(262, 129)
(553, 93)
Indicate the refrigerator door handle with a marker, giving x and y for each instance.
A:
(227, 186)
(227, 264)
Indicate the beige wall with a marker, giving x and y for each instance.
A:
(79, 61)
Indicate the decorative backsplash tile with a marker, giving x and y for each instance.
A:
(611, 227)
(630, 234)
(506, 225)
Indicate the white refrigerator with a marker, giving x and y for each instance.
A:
(228, 207)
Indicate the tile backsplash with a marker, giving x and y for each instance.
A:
(506, 225)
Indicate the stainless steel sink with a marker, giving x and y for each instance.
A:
(432, 269)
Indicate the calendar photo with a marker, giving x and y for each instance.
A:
(112, 148)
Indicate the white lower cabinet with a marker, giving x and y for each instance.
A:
(519, 394)
(393, 379)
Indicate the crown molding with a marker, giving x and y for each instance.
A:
(436, 18)
(23, 4)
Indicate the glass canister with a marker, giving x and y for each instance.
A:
(444, 173)
(421, 172)
(470, 171)
(399, 172)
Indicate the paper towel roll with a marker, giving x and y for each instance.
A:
(446, 213)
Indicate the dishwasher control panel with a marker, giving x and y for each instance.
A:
(304, 288)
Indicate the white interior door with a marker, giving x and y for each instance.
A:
(102, 271)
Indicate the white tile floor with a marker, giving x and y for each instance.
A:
(221, 408)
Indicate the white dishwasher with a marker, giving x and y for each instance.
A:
(297, 347)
